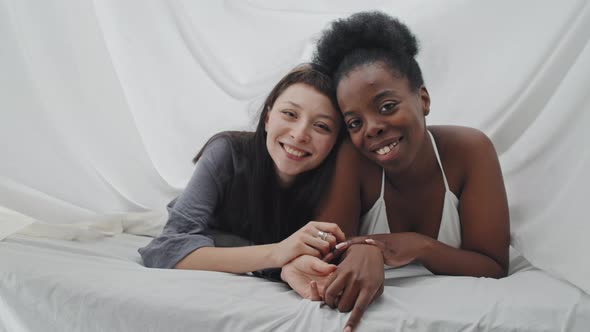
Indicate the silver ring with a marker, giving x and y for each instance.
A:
(322, 235)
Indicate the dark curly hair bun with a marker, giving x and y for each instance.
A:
(366, 37)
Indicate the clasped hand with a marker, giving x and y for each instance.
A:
(352, 285)
(306, 241)
(358, 279)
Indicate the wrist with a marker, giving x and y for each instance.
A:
(271, 256)
(272, 274)
(425, 248)
(351, 248)
(360, 246)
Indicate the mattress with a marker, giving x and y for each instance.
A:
(101, 285)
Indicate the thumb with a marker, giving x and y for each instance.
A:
(314, 291)
(322, 267)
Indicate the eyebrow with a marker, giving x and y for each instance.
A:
(383, 94)
(376, 98)
(324, 116)
(293, 103)
(347, 113)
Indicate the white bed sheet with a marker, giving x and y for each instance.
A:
(148, 82)
(57, 285)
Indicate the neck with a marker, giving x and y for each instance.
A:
(418, 172)
(285, 182)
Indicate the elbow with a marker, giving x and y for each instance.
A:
(494, 266)
(503, 266)
(499, 271)
(499, 274)
(502, 271)
(186, 263)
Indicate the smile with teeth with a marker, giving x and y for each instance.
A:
(386, 149)
(295, 152)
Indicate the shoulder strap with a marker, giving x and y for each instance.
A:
(438, 159)
(382, 182)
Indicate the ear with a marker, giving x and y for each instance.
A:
(425, 98)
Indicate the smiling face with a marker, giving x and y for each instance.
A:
(302, 128)
(384, 117)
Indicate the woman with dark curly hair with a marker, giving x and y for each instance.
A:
(433, 195)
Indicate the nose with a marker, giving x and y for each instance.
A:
(300, 133)
(374, 129)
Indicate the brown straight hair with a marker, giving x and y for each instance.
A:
(271, 213)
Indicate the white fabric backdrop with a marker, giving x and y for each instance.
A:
(104, 103)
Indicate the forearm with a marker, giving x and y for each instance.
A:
(440, 258)
(233, 260)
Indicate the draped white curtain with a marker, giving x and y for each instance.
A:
(104, 103)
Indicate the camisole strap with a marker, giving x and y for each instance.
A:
(382, 182)
(438, 159)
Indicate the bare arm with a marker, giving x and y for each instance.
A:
(234, 260)
(483, 210)
(360, 276)
(485, 224)
(342, 204)
(186, 241)
(251, 258)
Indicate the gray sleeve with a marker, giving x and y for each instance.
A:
(192, 213)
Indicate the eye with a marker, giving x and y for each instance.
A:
(290, 114)
(388, 107)
(323, 126)
(354, 124)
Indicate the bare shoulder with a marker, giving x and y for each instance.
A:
(341, 203)
(347, 154)
(460, 137)
(351, 162)
(370, 182)
(351, 166)
(476, 177)
(462, 143)
(464, 151)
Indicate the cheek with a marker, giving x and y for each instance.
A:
(325, 144)
(273, 129)
(269, 140)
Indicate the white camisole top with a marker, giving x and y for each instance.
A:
(375, 220)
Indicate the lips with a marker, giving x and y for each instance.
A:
(385, 149)
(295, 152)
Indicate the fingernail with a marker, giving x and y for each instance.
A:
(371, 241)
(340, 245)
(347, 329)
